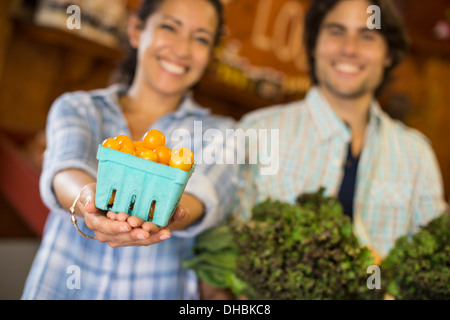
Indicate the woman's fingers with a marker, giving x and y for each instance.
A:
(181, 214)
(148, 239)
(136, 237)
(135, 221)
(121, 216)
(87, 194)
(98, 222)
(90, 208)
(120, 233)
(158, 235)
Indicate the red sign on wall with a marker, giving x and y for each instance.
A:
(263, 51)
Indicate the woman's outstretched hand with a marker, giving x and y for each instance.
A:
(120, 229)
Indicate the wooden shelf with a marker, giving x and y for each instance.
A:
(69, 40)
(44, 63)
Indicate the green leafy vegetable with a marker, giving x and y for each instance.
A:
(304, 250)
(418, 267)
(214, 260)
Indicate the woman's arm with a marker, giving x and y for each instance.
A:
(68, 184)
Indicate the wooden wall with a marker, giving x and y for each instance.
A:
(37, 64)
(42, 63)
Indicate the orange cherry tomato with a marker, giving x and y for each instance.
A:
(126, 149)
(182, 159)
(163, 153)
(153, 139)
(138, 144)
(111, 143)
(148, 155)
(125, 142)
(139, 151)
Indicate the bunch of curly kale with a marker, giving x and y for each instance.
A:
(418, 267)
(305, 250)
(301, 251)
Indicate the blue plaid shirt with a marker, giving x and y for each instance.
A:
(77, 123)
(398, 184)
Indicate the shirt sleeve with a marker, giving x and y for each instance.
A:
(248, 172)
(70, 144)
(214, 180)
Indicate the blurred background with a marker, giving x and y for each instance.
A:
(259, 63)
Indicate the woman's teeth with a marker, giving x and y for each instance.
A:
(173, 68)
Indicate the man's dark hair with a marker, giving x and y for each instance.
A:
(392, 29)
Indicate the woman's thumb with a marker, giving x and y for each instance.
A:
(90, 205)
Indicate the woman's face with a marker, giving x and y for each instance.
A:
(175, 45)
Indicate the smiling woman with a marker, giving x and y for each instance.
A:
(172, 42)
(174, 46)
(128, 67)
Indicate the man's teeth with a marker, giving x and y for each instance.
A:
(349, 68)
(173, 68)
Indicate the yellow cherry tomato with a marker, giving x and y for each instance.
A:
(153, 139)
(125, 142)
(148, 155)
(111, 143)
(182, 158)
(139, 144)
(163, 153)
(128, 150)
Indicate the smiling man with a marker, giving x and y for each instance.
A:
(385, 174)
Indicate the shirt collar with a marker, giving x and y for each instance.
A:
(328, 123)
(188, 106)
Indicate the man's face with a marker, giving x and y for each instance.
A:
(350, 58)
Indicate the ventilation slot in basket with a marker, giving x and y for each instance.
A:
(111, 200)
(132, 202)
(152, 210)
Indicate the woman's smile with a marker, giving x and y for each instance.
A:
(173, 67)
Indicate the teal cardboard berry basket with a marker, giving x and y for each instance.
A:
(139, 187)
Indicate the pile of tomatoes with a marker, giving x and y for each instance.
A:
(152, 147)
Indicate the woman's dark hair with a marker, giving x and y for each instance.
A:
(392, 29)
(127, 67)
